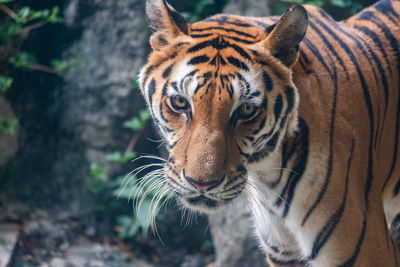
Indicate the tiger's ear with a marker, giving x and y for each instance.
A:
(283, 41)
(165, 22)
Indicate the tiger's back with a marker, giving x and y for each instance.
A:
(304, 119)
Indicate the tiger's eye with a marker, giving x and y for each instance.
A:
(179, 103)
(247, 111)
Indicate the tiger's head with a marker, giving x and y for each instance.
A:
(221, 95)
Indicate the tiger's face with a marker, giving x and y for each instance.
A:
(222, 99)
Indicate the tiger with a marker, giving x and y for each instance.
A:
(297, 116)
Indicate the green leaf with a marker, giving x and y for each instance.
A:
(135, 84)
(13, 29)
(97, 171)
(207, 247)
(22, 59)
(53, 18)
(127, 227)
(8, 126)
(339, 3)
(95, 186)
(41, 14)
(143, 215)
(122, 158)
(5, 1)
(59, 65)
(5, 83)
(22, 15)
(144, 115)
(123, 193)
(134, 124)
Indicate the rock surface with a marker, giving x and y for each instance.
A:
(234, 240)
(8, 237)
(8, 142)
(255, 8)
(76, 120)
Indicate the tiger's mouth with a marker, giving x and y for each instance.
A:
(202, 203)
(206, 204)
(210, 202)
(209, 199)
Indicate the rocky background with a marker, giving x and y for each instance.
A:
(53, 212)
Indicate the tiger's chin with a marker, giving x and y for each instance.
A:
(204, 204)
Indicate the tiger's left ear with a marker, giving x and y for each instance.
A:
(165, 22)
(284, 40)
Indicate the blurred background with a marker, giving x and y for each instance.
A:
(73, 125)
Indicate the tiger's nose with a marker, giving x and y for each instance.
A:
(202, 186)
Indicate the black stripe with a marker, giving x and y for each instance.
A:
(328, 228)
(224, 29)
(331, 135)
(396, 188)
(165, 87)
(146, 74)
(278, 106)
(201, 35)
(271, 144)
(201, 45)
(374, 37)
(151, 91)
(219, 43)
(237, 63)
(329, 46)
(238, 39)
(267, 82)
(368, 103)
(315, 52)
(198, 60)
(377, 62)
(162, 113)
(174, 86)
(167, 71)
(262, 124)
(386, 9)
(240, 51)
(302, 147)
(287, 262)
(395, 48)
(289, 93)
(354, 256)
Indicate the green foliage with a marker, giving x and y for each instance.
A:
(22, 59)
(352, 5)
(136, 226)
(135, 84)
(128, 188)
(5, 83)
(26, 14)
(138, 123)
(8, 126)
(19, 22)
(199, 9)
(117, 156)
(97, 171)
(207, 247)
(98, 176)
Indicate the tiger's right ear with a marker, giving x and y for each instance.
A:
(165, 22)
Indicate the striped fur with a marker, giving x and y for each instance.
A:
(306, 125)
